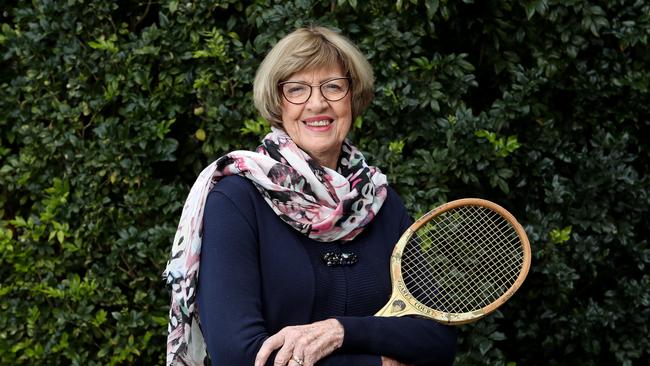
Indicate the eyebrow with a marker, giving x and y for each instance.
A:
(320, 82)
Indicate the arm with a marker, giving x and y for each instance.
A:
(313, 344)
(229, 286)
(229, 292)
(411, 340)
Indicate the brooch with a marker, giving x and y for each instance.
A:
(332, 259)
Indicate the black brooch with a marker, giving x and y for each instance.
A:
(332, 259)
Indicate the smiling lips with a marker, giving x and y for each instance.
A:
(318, 121)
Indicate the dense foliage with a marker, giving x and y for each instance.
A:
(108, 110)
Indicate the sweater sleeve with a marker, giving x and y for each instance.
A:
(229, 291)
(412, 340)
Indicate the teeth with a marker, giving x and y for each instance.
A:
(318, 123)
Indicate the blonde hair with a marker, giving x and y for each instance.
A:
(308, 48)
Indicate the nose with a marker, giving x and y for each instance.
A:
(316, 100)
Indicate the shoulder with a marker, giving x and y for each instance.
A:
(234, 186)
(233, 194)
(394, 212)
(394, 202)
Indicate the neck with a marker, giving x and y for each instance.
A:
(327, 160)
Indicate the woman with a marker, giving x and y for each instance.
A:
(297, 236)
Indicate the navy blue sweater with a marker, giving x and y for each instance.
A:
(259, 275)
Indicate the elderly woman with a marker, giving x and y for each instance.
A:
(297, 236)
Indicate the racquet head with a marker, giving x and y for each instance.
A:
(458, 263)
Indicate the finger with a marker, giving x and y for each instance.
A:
(270, 344)
(387, 361)
(296, 361)
(298, 354)
(291, 337)
(293, 362)
(283, 356)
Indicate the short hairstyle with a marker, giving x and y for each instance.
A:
(304, 49)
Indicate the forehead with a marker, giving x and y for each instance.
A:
(317, 74)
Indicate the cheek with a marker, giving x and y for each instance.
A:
(346, 108)
(345, 114)
(290, 112)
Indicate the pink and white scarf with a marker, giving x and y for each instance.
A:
(319, 202)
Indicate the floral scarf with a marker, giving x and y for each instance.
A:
(324, 204)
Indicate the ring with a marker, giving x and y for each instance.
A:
(297, 360)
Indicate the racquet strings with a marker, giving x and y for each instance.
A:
(462, 260)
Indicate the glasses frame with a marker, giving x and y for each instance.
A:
(311, 89)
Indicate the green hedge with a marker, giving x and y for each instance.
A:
(108, 110)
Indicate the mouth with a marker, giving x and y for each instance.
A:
(318, 123)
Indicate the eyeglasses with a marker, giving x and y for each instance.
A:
(297, 92)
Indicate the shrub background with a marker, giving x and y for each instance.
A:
(108, 110)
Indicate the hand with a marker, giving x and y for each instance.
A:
(385, 361)
(306, 344)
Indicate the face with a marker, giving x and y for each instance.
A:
(318, 126)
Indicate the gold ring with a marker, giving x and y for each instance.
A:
(296, 360)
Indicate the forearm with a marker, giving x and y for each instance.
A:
(411, 340)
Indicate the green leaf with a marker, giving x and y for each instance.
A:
(485, 346)
(498, 336)
(560, 236)
(105, 44)
(432, 7)
(173, 6)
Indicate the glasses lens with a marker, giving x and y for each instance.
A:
(296, 92)
(335, 89)
(332, 90)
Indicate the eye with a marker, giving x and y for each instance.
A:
(294, 88)
(333, 86)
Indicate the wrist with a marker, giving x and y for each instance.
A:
(338, 332)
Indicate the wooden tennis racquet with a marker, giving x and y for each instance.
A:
(458, 263)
